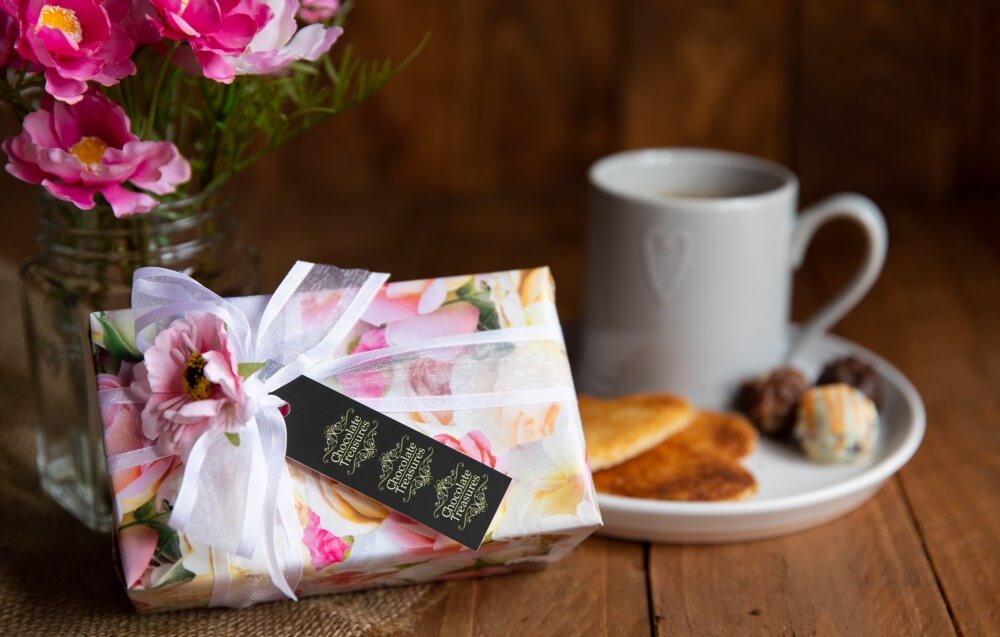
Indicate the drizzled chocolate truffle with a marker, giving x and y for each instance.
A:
(858, 374)
(836, 424)
(770, 400)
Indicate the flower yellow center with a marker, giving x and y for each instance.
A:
(184, 5)
(193, 381)
(88, 151)
(62, 19)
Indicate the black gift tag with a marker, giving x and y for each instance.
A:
(391, 463)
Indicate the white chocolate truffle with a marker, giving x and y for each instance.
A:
(836, 424)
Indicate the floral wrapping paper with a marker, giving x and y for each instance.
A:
(350, 541)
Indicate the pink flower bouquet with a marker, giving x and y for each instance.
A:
(132, 103)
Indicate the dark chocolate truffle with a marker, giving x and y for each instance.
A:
(770, 400)
(857, 374)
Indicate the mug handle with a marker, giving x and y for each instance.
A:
(865, 213)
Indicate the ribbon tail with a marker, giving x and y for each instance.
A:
(273, 437)
(187, 493)
(293, 531)
(218, 501)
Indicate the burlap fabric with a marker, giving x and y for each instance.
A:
(58, 578)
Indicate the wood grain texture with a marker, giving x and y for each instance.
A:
(712, 73)
(948, 312)
(503, 94)
(598, 589)
(934, 313)
(878, 87)
(865, 574)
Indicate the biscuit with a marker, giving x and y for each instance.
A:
(618, 429)
(701, 463)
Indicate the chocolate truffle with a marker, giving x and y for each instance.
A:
(770, 400)
(856, 373)
(836, 424)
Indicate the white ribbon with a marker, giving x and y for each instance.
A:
(232, 497)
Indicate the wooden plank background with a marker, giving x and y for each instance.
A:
(511, 101)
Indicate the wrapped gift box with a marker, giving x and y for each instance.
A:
(348, 540)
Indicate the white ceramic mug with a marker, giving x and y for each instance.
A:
(690, 255)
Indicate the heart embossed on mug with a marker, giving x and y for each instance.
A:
(667, 254)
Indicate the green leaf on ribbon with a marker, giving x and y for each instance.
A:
(234, 439)
(246, 370)
(115, 343)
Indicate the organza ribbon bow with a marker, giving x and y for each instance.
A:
(237, 498)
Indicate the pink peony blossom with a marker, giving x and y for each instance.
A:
(75, 41)
(475, 445)
(371, 340)
(325, 548)
(282, 42)
(85, 149)
(318, 10)
(190, 383)
(216, 30)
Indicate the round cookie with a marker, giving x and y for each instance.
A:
(836, 424)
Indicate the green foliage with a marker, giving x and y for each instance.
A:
(224, 128)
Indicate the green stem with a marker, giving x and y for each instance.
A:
(157, 87)
(21, 107)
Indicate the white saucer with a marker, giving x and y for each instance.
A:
(794, 493)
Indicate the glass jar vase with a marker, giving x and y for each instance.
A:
(85, 263)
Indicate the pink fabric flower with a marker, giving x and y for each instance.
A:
(216, 30)
(85, 149)
(475, 445)
(76, 41)
(325, 548)
(282, 42)
(371, 340)
(190, 383)
(318, 10)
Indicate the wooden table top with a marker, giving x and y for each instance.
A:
(920, 558)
